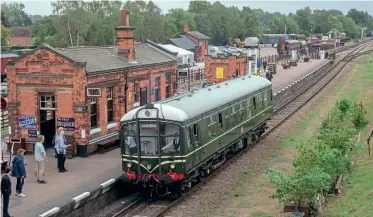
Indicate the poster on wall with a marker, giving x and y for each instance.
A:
(27, 122)
(68, 124)
(219, 72)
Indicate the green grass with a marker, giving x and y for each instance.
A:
(357, 200)
(240, 190)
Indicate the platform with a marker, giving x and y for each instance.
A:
(85, 174)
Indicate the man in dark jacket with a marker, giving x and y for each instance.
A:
(19, 171)
(6, 190)
(264, 65)
(269, 75)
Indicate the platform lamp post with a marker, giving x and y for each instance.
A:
(188, 74)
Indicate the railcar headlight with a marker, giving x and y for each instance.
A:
(172, 166)
(129, 165)
(149, 166)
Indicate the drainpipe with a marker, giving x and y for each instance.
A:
(125, 90)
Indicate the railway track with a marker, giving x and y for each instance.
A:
(141, 207)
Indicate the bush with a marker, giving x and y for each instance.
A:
(319, 162)
(299, 188)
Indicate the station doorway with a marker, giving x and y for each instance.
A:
(143, 96)
(47, 115)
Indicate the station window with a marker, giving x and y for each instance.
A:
(136, 92)
(168, 85)
(157, 89)
(93, 108)
(47, 102)
(110, 105)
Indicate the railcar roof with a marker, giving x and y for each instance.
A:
(192, 104)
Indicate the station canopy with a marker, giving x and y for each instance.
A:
(182, 54)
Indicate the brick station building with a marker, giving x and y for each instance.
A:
(193, 41)
(86, 89)
(224, 68)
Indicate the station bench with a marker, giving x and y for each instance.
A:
(103, 148)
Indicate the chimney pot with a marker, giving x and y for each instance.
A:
(186, 28)
(124, 17)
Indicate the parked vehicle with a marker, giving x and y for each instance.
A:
(215, 52)
(251, 42)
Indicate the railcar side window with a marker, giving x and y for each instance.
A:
(190, 146)
(271, 95)
(211, 126)
(254, 102)
(221, 120)
(196, 133)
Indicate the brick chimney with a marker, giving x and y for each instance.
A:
(186, 28)
(125, 39)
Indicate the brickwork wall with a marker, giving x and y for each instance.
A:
(202, 51)
(230, 65)
(46, 72)
(39, 73)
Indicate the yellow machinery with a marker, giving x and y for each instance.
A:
(236, 42)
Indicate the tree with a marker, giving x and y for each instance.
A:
(5, 35)
(15, 14)
(305, 21)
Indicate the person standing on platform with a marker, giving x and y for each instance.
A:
(40, 158)
(61, 151)
(59, 129)
(19, 171)
(269, 76)
(264, 65)
(6, 190)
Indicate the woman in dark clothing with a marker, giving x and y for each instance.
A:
(6, 190)
(19, 171)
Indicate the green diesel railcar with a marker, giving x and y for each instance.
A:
(168, 145)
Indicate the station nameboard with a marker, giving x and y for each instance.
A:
(67, 123)
(182, 74)
(27, 122)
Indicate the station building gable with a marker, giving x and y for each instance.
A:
(86, 89)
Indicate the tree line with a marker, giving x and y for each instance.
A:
(76, 23)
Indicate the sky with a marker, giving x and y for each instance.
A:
(43, 7)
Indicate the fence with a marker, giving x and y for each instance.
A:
(196, 77)
(4, 120)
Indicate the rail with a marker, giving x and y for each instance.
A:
(281, 114)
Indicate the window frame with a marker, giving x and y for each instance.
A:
(52, 99)
(109, 101)
(93, 102)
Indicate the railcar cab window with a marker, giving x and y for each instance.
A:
(130, 132)
(170, 138)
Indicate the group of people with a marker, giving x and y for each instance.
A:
(18, 169)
